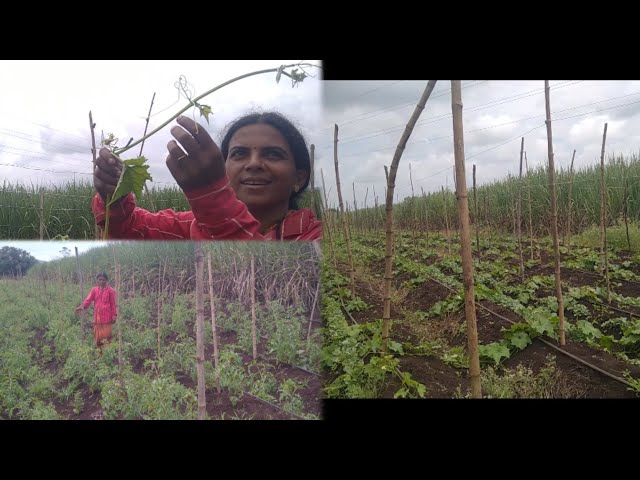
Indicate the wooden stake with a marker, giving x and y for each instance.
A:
(202, 399)
(529, 201)
(465, 240)
(213, 323)
(475, 203)
(603, 217)
(570, 203)
(519, 213)
(554, 212)
(345, 223)
(252, 286)
(388, 261)
(81, 296)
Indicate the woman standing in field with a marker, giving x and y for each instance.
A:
(104, 315)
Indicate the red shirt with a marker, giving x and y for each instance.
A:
(105, 304)
(216, 213)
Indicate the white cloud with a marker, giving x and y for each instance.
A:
(579, 110)
(44, 107)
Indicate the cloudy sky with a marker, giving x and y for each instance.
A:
(44, 108)
(371, 116)
(50, 250)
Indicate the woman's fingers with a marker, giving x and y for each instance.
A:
(197, 132)
(106, 173)
(196, 161)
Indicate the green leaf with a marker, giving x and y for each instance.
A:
(588, 330)
(606, 341)
(524, 298)
(375, 344)
(205, 111)
(132, 178)
(396, 347)
(520, 340)
(541, 323)
(494, 351)
(402, 393)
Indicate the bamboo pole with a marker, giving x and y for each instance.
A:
(146, 125)
(253, 309)
(161, 292)
(389, 211)
(519, 213)
(314, 207)
(158, 315)
(554, 213)
(529, 201)
(92, 127)
(202, 399)
(625, 210)
(41, 213)
(512, 207)
(446, 220)
(328, 225)
(412, 210)
(465, 240)
(345, 223)
(116, 269)
(366, 210)
(475, 203)
(356, 222)
(426, 216)
(119, 321)
(570, 202)
(46, 295)
(214, 330)
(81, 296)
(313, 309)
(61, 298)
(603, 217)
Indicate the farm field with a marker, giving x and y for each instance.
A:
(263, 368)
(525, 286)
(516, 320)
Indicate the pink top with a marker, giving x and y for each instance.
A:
(216, 214)
(105, 304)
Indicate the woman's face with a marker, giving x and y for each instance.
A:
(262, 169)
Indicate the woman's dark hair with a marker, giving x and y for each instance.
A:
(102, 274)
(291, 134)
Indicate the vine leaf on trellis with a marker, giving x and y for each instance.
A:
(132, 178)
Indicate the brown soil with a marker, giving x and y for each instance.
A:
(445, 381)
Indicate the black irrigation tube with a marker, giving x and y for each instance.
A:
(578, 359)
(570, 355)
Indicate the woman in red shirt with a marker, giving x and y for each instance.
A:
(104, 314)
(244, 190)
